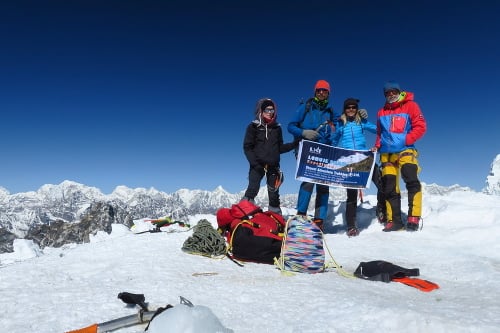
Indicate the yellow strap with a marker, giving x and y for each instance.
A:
(280, 262)
(333, 264)
(230, 247)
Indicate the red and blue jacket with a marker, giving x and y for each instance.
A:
(399, 125)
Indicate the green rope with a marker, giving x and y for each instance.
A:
(205, 241)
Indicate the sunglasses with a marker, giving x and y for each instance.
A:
(322, 91)
(391, 92)
(351, 107)
(268, 111)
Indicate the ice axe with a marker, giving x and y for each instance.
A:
(144, 316)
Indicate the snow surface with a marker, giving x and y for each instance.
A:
(57, 290)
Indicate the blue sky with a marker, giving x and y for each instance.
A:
(158, 94)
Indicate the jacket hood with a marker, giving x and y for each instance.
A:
(261, 105)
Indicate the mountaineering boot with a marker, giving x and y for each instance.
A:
(412, 223)
(319, 223)
(380, 212)
(352, 232)
(248, 199)
(275, 210)
(391, 226)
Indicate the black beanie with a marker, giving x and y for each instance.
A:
(351, 101)
(266, 103)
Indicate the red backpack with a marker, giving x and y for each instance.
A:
(253, 235)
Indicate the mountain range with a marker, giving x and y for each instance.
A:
(69, 212)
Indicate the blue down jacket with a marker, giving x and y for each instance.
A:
(351, 135)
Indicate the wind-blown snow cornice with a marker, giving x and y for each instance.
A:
(493, 178)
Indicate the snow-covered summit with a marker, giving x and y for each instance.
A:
(77, 285)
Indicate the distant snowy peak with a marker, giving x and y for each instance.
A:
(434, 189)
(493, 179)
(70, 201)
(3, 192)
(69, 189)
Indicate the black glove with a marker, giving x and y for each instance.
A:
(310, 134)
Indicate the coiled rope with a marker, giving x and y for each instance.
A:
(205, 241)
